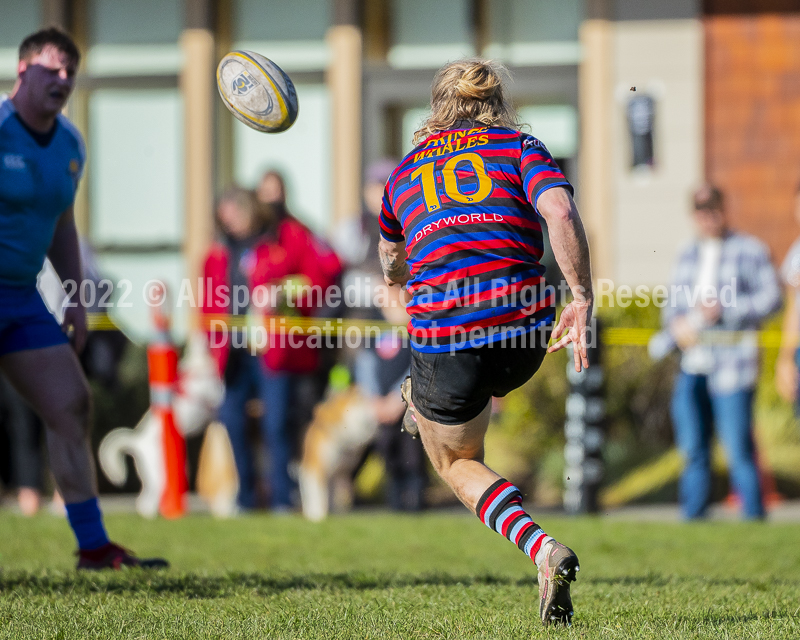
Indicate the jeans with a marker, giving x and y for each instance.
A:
(694, 410)
(406, 471)
(247, 377)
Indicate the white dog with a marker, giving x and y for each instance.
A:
(199, 392)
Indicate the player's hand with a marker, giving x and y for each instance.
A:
(711, 313)
(684, 332)
(74, 325)
(574, 320)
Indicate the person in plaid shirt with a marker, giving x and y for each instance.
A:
(787, 375)
(723, 287)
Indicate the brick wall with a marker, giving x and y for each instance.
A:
(753, 121)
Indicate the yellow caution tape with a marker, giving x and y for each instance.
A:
(622, 337)
(100, 322)
(611, 336)
(638, 337)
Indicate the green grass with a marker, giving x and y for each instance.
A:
(376, 575)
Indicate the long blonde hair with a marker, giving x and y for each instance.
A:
(469, 89)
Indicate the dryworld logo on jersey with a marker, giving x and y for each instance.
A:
(463, 218)
(242, 84)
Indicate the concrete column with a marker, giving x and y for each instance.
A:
(198, 90)
(344, 81)
(78, 112)
(73, 16)
(55, 13)
(664, 60)
(224, 122)
(637, 217)
(377, 34)
(595, 87)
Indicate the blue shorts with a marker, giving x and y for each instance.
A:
(25, 322)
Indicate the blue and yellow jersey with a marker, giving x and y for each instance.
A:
(39, 176)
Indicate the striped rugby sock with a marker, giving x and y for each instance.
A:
(500, 509)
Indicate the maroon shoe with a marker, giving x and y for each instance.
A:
(112, 556)
(559, 567)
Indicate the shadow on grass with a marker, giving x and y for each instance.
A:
(192, 585)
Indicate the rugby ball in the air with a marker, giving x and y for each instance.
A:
(257, 91)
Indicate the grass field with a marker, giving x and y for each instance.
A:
(377, 575)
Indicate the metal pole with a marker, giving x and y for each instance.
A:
(584, 430)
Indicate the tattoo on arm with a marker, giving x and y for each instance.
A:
(393, 262)
(392, 267)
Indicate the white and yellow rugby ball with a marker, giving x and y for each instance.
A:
(257, 91)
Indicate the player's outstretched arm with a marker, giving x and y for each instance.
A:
(393, 262)
(65, 255)
(571, 250)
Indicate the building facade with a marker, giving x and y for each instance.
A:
(715, 96)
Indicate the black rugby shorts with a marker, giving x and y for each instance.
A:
(454, 387)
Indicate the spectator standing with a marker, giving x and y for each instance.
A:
(724, 286)
(786, 372)
(356, 240)
(380, 368)
(295, 366)
(382, 365)
(243, 230)
(24, 430)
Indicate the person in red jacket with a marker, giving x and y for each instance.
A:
(260, 250)
(319, 267)
(228, 271)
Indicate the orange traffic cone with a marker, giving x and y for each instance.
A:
(162, 361)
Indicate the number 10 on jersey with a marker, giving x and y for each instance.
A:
(427, 177)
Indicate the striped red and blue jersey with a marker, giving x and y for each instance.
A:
(464, 202)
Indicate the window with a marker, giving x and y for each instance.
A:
(136, 163)
(532, 32)
(300, 154)
(412, 120)
(290, 33)
(135, 182)
(556, 126)
(134, 38)
(427, 34)
(19, 19)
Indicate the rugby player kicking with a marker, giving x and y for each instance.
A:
(41, 161)
(460, 230)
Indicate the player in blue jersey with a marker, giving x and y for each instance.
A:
(460, 231)
(41, 160)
